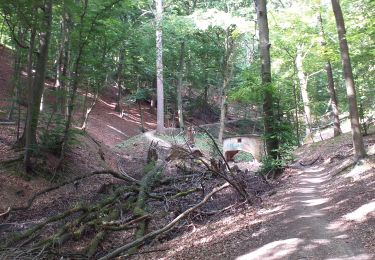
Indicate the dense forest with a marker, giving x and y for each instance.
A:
(130, 119)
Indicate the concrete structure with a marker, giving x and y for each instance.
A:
(248, 143)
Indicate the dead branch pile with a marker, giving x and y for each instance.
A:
(136, 212)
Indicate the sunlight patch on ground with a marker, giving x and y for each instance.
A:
(261, 231)
(315, 202)
(361, 214)
(357, 257)
(314, 180)
(306, 190)
(357, 173)
(111, 105)
(310, 215)
(271, 210)
(321, 241)
(151, 137)
(275, 250)
(314, 169)
(337, 225)
(118, 131)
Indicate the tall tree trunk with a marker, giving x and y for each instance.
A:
(179, 86)
(159, 67)
(331, 83)
(141, 116)
(296, 112)
(120, 79)
(272, 143)
(303, 86)
(334, 105)
(71, 102)
(222, 115)
(227, 71)
(21, 142)
(73, 92)
(16, 81)
(88, 111)
(61, 62)
(359, 149)
(35, 93)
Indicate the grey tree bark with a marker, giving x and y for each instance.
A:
(359, 149)
(120, 79)
(227, 73)
(303, 80)
(159, 66)
(331, 83)
(35, 94)
(179, 86)
(272, 144)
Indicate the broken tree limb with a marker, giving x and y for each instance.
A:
(166, 228)
(5, 213)
(115, 227)
(310, 163)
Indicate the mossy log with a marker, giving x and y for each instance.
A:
(146, 185)
(99, 237)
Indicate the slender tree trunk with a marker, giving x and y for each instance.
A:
(159, 67)
(222, 115)
(303, 86)
(16, 82)
(120, 79)
(272, 143)
(141, 116)
(61, 63)
(88, 111)
(179, 86)
(227, 72)
(359, 149)
(84, 106)
(72, 98)
(334, 105)
(331, 83)
(21, 142)
(296, 112)
(35, 93)
(70, 106)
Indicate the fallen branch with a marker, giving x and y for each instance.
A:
(310, 163)
(111, 226)
(7, 123)
(113, 173)
(166, 228)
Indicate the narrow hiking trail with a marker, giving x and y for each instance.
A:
(304, 227)
(313, 214)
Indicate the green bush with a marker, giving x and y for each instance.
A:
(242, 156)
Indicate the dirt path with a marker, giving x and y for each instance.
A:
(313, 215)
(303, 228)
